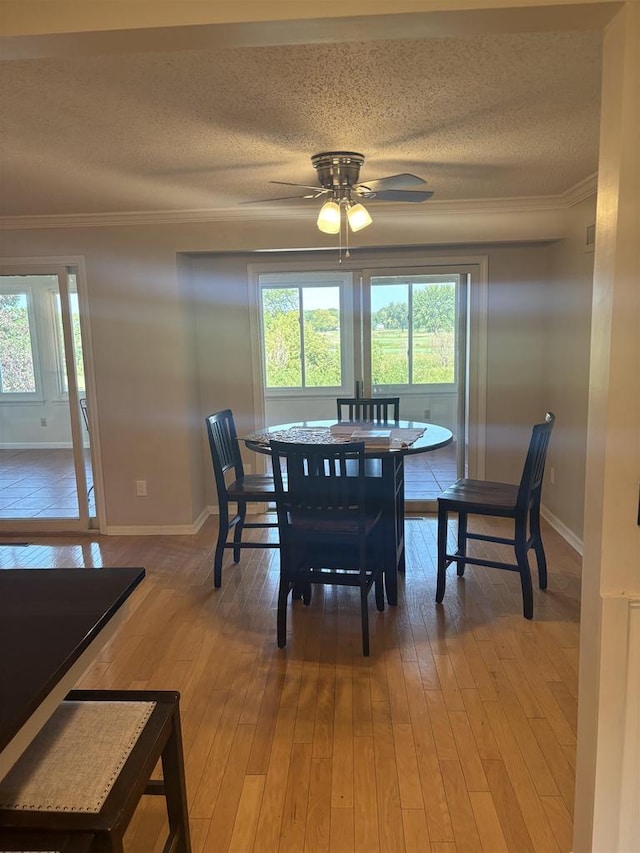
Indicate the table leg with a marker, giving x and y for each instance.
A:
(388, 489)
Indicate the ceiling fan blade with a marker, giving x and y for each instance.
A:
(280, 198)
(394, 195)
(403, 181)
(317, 189)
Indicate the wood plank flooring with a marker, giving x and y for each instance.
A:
(456, 735)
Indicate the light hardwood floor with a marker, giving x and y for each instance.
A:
(456, 735)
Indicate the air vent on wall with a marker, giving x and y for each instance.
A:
(591, 238)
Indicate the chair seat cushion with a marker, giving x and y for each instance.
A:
(481, 494)
(73, 762)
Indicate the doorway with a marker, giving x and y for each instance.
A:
(404, 331)
(414, 340)
(46, 471)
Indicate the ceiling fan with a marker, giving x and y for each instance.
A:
(339, 179)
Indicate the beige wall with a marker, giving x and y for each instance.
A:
(567, 365)
(521, 334)
(169, 346)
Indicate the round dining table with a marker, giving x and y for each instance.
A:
(385, 468)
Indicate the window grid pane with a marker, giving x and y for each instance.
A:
(17, 374)
(389, 334)
(282, 345)
(434, 322)
(321, 335)
(302, 336)
(413, 332)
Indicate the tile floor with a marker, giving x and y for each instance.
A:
(428, 474)
(39, 484)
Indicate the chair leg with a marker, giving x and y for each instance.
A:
(175, 788)
(523, 565)
(443, 519)
(237, 533)
(223, 532)
(462, 543)
(364, 609)
(283, 595)
(536, 535)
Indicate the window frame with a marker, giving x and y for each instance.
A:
(301, 280)
(435, 278)
(37, 395)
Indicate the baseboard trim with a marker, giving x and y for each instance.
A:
(568, 535)
(159, 529)
(33, 445)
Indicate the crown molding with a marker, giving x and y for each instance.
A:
(582, 190)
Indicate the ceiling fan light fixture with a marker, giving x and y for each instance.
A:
(358, 217)
(329, 218)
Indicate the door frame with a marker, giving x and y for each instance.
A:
(478, 299)
(62, 266)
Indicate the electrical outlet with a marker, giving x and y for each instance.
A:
(427, 413)
(141, 488)
(43, 421)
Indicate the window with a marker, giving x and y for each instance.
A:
(77, 341)
(32, 356)
(17, 358)
(413, 330)
(302, 332)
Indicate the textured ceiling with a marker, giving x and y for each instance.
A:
(484, 116)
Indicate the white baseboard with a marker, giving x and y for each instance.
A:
(568, 535)
(158, 529)
(32, 445)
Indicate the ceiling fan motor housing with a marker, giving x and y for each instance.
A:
(338, 170)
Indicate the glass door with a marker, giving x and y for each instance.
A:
(388, 332)
(414, 333)
(45, 465)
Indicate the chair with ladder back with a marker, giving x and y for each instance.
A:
(521, 503)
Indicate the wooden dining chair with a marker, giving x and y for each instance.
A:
(234, 487)
(375, 410)
(502, 500)
(82, 777)
(329, 534)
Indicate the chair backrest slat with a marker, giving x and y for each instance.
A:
(223, 443)
(376, 410)
(320, 479)
(533, 471)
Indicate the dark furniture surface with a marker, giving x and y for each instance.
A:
(329, 532)
(48, 619)
(60, 842)
(374, 410)
(505, 500)
(159, 739)
(233, 486)
(385, 480)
